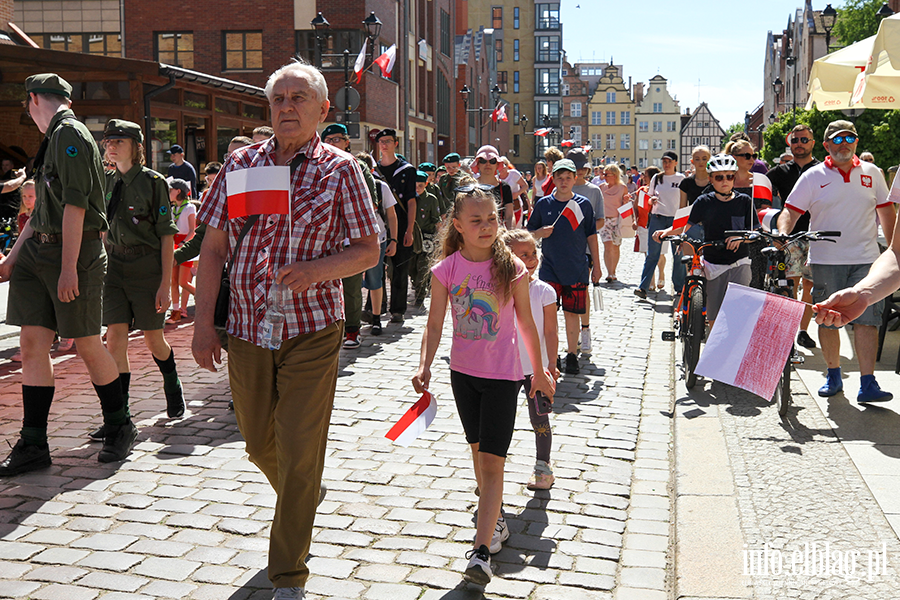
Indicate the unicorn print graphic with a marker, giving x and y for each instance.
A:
(476, 312)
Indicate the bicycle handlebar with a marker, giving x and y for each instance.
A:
(697, 245)
(814, 236)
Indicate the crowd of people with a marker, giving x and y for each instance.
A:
(106, 241)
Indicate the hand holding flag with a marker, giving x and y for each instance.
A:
(626, 210)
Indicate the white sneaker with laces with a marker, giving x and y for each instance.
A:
(479, 569)
(289, 593)
(501, 534)
(585, 341)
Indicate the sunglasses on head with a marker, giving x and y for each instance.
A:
(728, 177)
(482, 161)
(840, 139)
(471, 187)
(746, 155)
(800, 140)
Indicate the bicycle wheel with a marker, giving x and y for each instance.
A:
(694, 328)
(782, 396)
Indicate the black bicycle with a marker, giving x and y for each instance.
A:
(777, 282)
(8, 235)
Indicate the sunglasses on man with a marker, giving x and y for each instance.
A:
(482, 161)
(721, 178)
(800, 140)
(840, 139)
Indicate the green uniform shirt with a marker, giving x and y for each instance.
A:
(448, 184)
(428, 212)
(71, 174)
(143, 215)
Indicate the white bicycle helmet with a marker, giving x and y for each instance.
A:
(721, 162)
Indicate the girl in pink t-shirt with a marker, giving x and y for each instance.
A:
(487, 289)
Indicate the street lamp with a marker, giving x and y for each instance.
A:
(464, 92)
(884, 11)
(321, 25)
(829, 16)
(777, 87)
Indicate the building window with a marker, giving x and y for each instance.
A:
(610, 141)
(502, 81)
(575, 109)
(643, 144)
(548, 109)
(597, 140)
(242, 50)
(657, 126)
(642, 126)
(546, 48)
(333, 51)
(498, 50)
(625, 117)
(657, 144)
(670, 126)
(576, 134)
(516, 17)
(516, 144)
(515, 82)
(596, 117)
(625, 141)
(515, 49)
(670, 144)
(610, 117)
(445, 33)
(657, 107)
(497, 17)
(516, 113)
(101, 44)
(642, 163)
(610, 97)
(565, 89)
(175, 48)
(547, 82)
(546, 15)
(444, 98)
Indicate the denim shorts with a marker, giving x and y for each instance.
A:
(373, 279)
(828, 279)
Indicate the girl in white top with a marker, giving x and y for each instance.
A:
(185, 215)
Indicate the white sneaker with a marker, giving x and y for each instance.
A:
(479, 569)
(585, 344)
(501, 534)
(289, 593)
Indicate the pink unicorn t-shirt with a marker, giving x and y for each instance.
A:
(484, 331)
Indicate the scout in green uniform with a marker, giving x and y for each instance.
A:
(141, 248)
(56, 272)
(431, 185)
(428, 217)
(449, 182)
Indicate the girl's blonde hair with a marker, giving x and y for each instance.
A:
(614, 169)
(22, 207)
(503, 263)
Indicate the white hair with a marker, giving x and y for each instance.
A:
(300, 67)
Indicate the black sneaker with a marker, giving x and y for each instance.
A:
(118, 442)
(640, 293)
(24, 458)
(376, 326)
(804, 340)
(98, 435)
(571, 364)
(175, 402)
(396, 318)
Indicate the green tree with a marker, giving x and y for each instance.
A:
(856, 21)
(732, 129)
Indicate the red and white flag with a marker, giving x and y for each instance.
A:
(768, 218)
(762, 188)
(751, 339)
(626, 210)
(572, 212)
(386, 61)
(414, 422)
(567, 144)
(258, 191)
(499, 114)
(360, 64)
(643, 199)
(542, 131)
(681, 217)
(587, 148)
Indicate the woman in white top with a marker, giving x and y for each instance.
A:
(665, 198)
(538, 181)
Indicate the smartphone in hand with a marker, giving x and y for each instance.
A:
(543, 405)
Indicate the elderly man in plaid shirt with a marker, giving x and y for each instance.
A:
(283, 398)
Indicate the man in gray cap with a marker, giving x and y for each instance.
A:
(56, 272)
(844, 194)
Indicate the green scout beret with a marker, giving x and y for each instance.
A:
(333, 129)
(119, 129)
(421, 176)
(427, 167)
(48, 83)
(453, 157)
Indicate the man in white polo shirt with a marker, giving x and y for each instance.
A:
(844, 194)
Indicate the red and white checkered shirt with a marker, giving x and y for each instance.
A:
(329, 203)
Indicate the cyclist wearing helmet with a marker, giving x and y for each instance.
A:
(719, 211)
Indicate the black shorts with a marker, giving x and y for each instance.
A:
(487, 409)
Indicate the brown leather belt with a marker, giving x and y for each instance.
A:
(139, 250)
(56, 238)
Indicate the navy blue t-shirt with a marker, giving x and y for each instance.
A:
(564, 260)
(187, 172)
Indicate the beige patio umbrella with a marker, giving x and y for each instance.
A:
(832, 77)
(879, 85)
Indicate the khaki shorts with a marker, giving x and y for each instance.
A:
(129, 292)
(33, 299)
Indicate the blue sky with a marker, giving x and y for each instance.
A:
(721, 44)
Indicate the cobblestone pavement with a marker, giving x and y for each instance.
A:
(187, 515)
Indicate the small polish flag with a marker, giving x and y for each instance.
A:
(386, 61)
(681, 217)
(762, 188)
(258, 191)
(626, 210)
(751, 339)
(643, 199)
(768, 218)
(567, 144)
(499, 113)
(542, 131)
(414, 422)
(573, 213)
(360, 64)
(587, 148)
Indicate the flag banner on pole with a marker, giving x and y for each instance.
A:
(572, 212)
(542, 131)
(643, 199)
(359, 65)
(414, 422)
(567, 144)
(499, 114)
(626, 210)
(587, 148)
(762, 188)
(386, 61)
(258, 191)
(768, 218)
(751, 339)
(681, 217)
